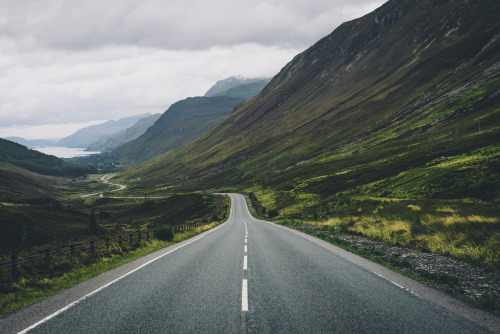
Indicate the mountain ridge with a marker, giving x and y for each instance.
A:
(407, 70)
(108, 143)
(87, 136)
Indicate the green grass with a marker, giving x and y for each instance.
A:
(464, 229)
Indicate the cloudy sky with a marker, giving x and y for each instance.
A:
(67, 64)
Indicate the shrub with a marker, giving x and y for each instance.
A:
(272, 213)
(165, 233)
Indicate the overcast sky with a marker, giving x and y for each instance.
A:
(67, 64)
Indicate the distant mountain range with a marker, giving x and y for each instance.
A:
(182, 122)
(384, 96)
(108, 143)
(96, 134)
(238, 86)
(33, 142)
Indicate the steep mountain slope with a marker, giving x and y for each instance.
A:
(86, 137)
(108, 143)
(387, 93)
(184, 121)
(38, 162)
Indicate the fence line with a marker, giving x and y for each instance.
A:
(73, 249)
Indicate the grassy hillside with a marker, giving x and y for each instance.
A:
(38, 210)
(38, 162)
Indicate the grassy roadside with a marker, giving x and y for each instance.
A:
(466, 230)
(28, 291)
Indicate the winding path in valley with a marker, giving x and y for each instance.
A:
(104, 179)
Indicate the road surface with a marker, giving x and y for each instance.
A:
(104, 179)
(250, 276)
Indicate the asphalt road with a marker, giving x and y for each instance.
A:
(250, 276)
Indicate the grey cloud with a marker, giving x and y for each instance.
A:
(187, 24)
(67, 61)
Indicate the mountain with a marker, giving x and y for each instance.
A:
(108, 143)
(33, 142)
(184, 121)
(224, 87)
(38, 162)
(86, 137)
(407, 94)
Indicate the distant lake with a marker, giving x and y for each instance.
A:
(64, 152)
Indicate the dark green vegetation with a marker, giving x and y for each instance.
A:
(38, 210)
(122, 214)
(165, 233)
(401, 104)
(38, 162)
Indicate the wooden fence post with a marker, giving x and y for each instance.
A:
(147, 236)
(13, 263)
(92, 248)
(107, 243)
(72, 251)
(120, 240)
(139, 236)
(130, 236)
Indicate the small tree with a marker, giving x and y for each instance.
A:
(165, 233)
(271, 213)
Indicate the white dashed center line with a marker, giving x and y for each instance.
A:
(244, 287)
(244, 296)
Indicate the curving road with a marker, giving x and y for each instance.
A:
(250, 276)
(104, 179)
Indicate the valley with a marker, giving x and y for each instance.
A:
(382, 138)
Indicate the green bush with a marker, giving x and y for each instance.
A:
(165, 233)
(271, 213)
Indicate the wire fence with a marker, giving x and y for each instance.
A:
(42, 262)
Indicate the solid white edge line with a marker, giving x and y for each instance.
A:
(112, 282)
(244, 296)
